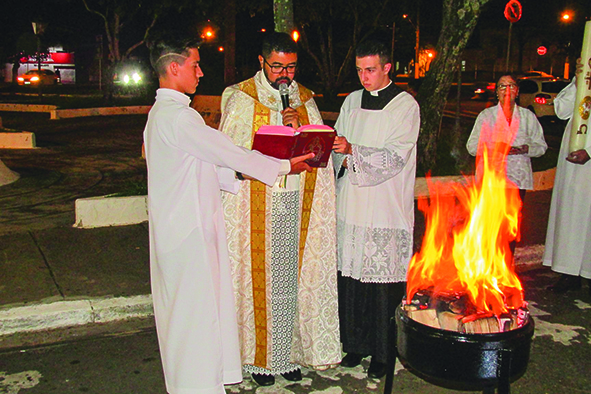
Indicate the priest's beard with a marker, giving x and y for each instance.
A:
(278, 81)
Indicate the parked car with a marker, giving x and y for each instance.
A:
(484, 91)
(132, 77)
(38, 77)
(532, 73)
(538, 94)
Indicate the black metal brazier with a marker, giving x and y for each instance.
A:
(464, 361)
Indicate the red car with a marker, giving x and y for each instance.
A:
(36, 77)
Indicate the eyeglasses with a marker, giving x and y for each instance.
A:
(278, 69)
(511, 86)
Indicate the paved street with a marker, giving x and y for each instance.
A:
(80, 157)
(124, 357)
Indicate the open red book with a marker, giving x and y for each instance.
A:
(284, 142)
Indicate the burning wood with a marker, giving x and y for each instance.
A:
(462, 279)
(455, 312)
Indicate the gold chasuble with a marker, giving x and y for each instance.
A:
(258, 202)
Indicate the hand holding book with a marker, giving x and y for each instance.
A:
(298, 164)
(285, 142)
(341, 145)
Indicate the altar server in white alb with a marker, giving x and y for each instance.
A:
(568, 239)
(375, 161)
(188, 164)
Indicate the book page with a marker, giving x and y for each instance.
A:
(314, 127)
(276, 130)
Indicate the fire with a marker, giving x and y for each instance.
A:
(466, 244)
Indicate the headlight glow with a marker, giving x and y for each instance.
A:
(136, 77)
(34, 79)
(126, 79)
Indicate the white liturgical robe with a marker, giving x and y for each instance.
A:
(300, 304)
(523, 130)
(188, 163)
(375, 197)
(568, 239)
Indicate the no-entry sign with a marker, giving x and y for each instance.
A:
(513, 11)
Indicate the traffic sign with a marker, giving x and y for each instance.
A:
(513, 11)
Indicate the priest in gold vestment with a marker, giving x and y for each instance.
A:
(282, 239)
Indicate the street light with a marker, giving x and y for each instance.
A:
(567, 17)
(417, 34)
(208, 33)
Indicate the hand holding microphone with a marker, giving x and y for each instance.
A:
(284, 93)
(290, 115)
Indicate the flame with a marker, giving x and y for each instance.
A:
(466, 244)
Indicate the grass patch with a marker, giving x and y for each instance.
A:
(136, 188)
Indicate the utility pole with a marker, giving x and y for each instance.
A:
(37, 29)
(417, 73)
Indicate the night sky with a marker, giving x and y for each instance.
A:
(74, 28)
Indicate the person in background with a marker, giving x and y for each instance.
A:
(514, 125)
(188, 163)
(375, 159)
(282, 237)
(568, 239)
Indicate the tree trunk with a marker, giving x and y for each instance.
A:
(283, 16)
(459, 20)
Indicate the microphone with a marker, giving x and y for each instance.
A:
(284, 93)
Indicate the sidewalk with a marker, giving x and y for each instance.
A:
(62, 277)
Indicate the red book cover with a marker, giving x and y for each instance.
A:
(284, 142)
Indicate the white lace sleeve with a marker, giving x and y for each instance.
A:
(372, 166)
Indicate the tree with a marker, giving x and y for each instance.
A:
(330, 31)
(459, 20)
(283, 16)
(128, 23)
(115, 15)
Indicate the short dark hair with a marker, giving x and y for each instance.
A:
(373, 47)
(164, 49)
(510, 75)
(278, 42)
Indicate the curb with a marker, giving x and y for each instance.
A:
(100, 111)
(104, 211)
(543, 180)
(61, 314)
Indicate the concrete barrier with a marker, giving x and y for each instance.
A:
(101, 111)
(208, 107)
(105, 211)
(121, 211)
(8, 107)
(17, 140)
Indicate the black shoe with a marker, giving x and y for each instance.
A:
(566, 283)
(376, 369)
(263, 380)
(351, 360)
(293, 376)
